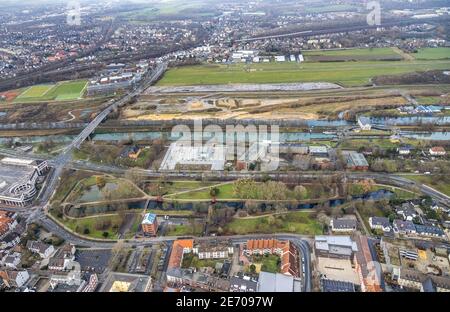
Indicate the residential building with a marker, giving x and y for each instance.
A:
(9, 240)
(380, 223)
(437, 151)
(12, 260)
(430, 231)
(423, 282)
(8, 221)
(404, 227)
(44, 250)
(369, 271)
(188, 277)
(179, 248)
(343, 225)
(404, 150)
(287, 251)
(277, 282)
(14, 279)
(91, 285)
(217, 250)
(62, 259)
(150, 224)
(364, 123)
(407, 211)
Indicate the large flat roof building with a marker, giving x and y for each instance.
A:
(277, 282)
(18, 178)
(203, 157)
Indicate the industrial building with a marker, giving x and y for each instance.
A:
(187, 157)
(355, 161)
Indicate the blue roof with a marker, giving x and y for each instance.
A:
(149, 218)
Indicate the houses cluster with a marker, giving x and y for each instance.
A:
(411, 224)
(221, 277)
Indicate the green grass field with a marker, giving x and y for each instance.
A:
(432, 54)
(344, 73)
(432, 182)
(225, 192)
(294, 222)
(375, 54)
(63, 91)
(35, 91)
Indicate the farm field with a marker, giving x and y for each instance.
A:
(344, 73)
(375, 54)
(63, 91)
(432, 54)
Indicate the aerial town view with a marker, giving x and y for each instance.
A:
(225, 146)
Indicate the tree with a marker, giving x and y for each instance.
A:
(105, 234)
(214, 191)
(300, 192)
(252, 268)
(134, 175)
(100, 181)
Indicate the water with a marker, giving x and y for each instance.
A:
(431, 136)
(412, 120)
(95, 194)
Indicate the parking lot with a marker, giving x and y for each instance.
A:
(95, 261)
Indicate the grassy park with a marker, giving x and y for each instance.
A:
(294, 222)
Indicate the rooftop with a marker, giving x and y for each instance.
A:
(276, 282)
(149, 218)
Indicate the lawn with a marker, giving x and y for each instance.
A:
(432, 182)
(375, 54)
(359, 143)
(192, 261)
(432, 54)
(69, 90)
(35, 91)
(269, 263)
(62, 91)
(194, 229)
(96, 226)
(177, 186)
(225, 192)
(344, 73)
(87, 190)
(294, 222)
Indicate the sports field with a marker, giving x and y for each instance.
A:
(432, 54)
(344, 73)
(62, 91)
(35, 91)
(375, 54)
